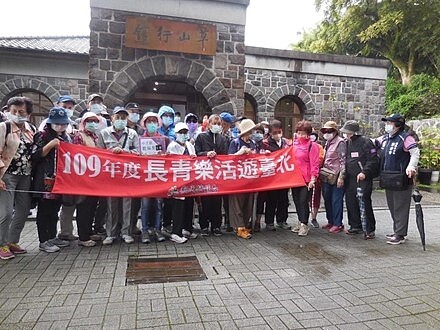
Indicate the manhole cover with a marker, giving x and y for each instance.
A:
(163, 270)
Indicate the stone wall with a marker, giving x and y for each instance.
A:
(117, 71)
(323, 97)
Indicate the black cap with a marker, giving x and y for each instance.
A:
(395, 117)
(132, 105)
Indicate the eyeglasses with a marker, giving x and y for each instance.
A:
(328, 130)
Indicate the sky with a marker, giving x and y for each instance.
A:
(270, 23)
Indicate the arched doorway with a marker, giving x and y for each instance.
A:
(41, 102)
(153, 93)
(250, 107)
(289, 110)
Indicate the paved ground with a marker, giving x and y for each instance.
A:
(276, 280)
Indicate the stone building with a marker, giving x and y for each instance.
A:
(190, 55)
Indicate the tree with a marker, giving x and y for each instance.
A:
(406, 32)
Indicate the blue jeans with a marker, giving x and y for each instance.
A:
(334, 203)
(151, 207)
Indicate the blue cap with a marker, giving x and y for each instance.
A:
(227, 117)
(119, 109)
(58, 116)
(66, 98)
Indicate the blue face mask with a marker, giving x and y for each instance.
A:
(257, 137)
(120, 124)
(182, 138)
(91, 127)
(167, 121)
(133, 117)
(152, 128)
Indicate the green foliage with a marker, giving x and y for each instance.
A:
(430, 148)
(404, 31)
(419, 99)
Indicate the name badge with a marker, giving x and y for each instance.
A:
(355, 154)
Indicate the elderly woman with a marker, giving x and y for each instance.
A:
(307, 159)
(85, 210)
(334, 163)
(241, 205)
(44, 165)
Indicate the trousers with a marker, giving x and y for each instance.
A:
(399, 203)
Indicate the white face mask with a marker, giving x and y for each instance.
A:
(347, 136)
(59, 128)
(133, 117)
(216, 129)
(389, 128)
(69, 113)
(328, 136)
(312, 138)
(96, 108)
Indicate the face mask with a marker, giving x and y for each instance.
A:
(216, 129)
(303, 138)
(91, 127)
(347, 136)
(167, 121)
(192, 127)
(133, 117)
(13, 118)
(313, 138)
(328, 136)
(257, 137)
(152, 128)
(59, 128)
(120, 124)
(176, 119)
(69, 112)
(182, 138)
(96, 108)
(266, 131)
(389, 128)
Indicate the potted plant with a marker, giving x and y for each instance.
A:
(429, 155)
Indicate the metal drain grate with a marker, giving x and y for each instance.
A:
(163, 270)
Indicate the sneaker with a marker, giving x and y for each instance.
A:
(48, 247)
(188, 234)
(217, 232)
(159, 236)
(296, 228)
(371, 235)
(270, 227)
(145, 238)
(354, 231)
(96, 237)
(315, 223)
(16, 249)
(88, 243)
(243, 233)
(284, 225)
(327, 226)
(151, 231)
(167, 231)
(204, 232)
(336, 229)
(396, 239)
(303, 229)
(59, 242)
(68, 237)
(5, 253)
(127, 239)
(108, 240)
(100, 231)
(389, 236)
(177, 239)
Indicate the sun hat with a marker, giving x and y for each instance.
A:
(329, 125)
(350, 127)
(58, 116)
(246, 126)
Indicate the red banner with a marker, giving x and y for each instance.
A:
(96, 172)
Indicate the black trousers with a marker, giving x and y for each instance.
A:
(182, 214)
(100, 214)
(189, 214)
(85, 213)
(167, 212)
(301, 197)
(47, 217)
(352, 203)
(277, 204)
(135, 207)
(211, 212)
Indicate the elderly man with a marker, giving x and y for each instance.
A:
(361, 167)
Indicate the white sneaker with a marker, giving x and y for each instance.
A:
(303, 230)
(128, 239)
(177, 239)
(88, 243)
(59, 242)
(296, 228)
(108, 240)
(187, 234)
(48, 247)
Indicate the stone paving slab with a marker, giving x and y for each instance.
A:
(276, 280)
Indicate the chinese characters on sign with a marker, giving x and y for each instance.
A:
(168, 35)
(81, 169)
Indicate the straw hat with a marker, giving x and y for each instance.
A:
(246, 126)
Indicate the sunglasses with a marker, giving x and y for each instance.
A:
(191, 120)
(329, 130)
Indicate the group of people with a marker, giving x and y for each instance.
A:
(345, 162)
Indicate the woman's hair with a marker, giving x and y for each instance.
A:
(304, 126)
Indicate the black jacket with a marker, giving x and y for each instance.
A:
(361, 149)
(207, 142)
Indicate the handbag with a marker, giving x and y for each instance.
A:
(393, 180)
(328, 175)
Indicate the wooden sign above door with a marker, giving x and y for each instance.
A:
(168, 35)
